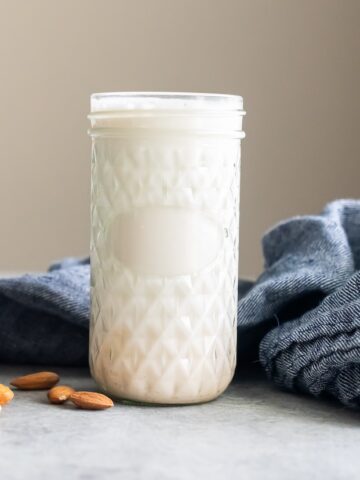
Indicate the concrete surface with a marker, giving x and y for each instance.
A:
(252, 432)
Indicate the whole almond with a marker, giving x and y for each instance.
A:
(36, 381)
(6, 395)
(60, 394)
(91, 400)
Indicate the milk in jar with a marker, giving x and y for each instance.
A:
(164, 244)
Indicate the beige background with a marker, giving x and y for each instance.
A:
(295, 62)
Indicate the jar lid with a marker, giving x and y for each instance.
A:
(166, 101)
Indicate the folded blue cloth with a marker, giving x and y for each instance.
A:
(44, 318)
(301, 318)
(304, 310)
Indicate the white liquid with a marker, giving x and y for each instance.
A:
(165, 241)
(164, 265)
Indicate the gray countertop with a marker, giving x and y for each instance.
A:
(251, 432)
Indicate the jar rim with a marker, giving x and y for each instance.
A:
(166, 101)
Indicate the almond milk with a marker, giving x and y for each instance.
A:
(164, 247)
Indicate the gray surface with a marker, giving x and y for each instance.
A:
(252, 432)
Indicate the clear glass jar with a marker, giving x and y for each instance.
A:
(164, 247)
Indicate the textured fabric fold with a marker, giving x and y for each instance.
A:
(44, 318)
(306, 258)
(304, 310)
(319, 352)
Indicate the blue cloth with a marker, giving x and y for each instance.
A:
(44, 318)
(301, 318)
(303, 313)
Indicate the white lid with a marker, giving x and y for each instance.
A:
(120, 101)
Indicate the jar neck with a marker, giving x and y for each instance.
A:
(228, 123)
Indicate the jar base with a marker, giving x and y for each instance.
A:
(165, 402)
(140, 403)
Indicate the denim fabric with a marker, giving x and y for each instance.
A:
(301, 318)
(320, 351)
(304, 310)
(44, 319)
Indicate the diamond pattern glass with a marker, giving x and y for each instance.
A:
(164, 338)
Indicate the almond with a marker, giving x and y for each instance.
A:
(36, 381)
(60, 394)
(91, 400)
(6, 395)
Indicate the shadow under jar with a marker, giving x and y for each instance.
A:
(164, 244)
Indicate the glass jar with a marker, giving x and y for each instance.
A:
(164, 246)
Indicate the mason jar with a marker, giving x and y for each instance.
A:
(164, 244)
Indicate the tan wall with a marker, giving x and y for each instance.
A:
(295, 62)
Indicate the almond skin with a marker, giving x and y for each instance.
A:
(60, 394)
(91, 400)
(36, 381)
(6, 395)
